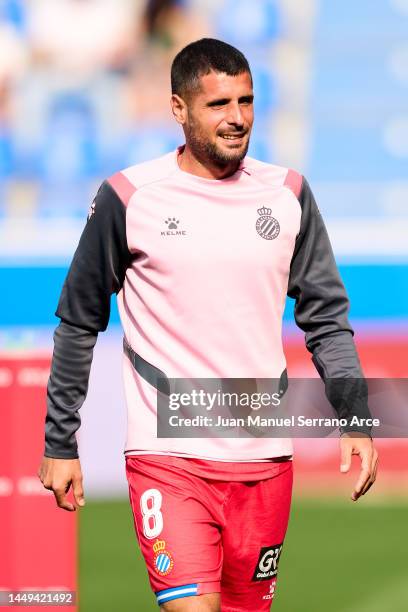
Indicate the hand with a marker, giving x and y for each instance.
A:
(355, 443)
(57, 475)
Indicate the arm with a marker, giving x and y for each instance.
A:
(97, 271)
(321, 311)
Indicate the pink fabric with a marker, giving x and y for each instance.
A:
(206, 292)
(293, 180)
(123, 187)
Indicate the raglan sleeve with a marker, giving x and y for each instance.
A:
(97, 271)
(321, 311)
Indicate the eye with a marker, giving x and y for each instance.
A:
(217, 103)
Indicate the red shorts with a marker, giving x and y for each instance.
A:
(201, 534)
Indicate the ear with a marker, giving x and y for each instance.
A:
(179, 109)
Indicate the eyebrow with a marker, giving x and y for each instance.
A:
(222, 101)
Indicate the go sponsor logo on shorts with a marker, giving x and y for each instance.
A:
(267, 566)
(150, 506)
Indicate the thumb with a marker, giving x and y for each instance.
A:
(78, 491)
(346, 452)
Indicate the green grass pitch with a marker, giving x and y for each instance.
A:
(338, 556)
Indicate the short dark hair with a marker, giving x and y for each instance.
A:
(200, 58)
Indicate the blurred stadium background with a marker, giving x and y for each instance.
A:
(84, 88)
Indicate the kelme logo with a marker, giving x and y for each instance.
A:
(173, 228)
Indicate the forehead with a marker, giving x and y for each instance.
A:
(219, 84)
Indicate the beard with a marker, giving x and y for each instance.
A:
(206, 151)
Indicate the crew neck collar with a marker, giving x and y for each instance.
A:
(201, 179)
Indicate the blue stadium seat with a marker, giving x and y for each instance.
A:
(260, 145)
(363, 20)
(6, 153)
(65, 199)
(259, 149)
(352, 153)
(354, 94)
(70, 150)
(240, 22)
(148, 142)
(264, 88)
(13, 11)
(70, 158)
(359, 78)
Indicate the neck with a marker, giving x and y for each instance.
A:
(211, 170)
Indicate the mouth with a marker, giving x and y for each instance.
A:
(233, 137)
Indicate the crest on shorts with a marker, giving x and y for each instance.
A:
(163, 561)
(267, 226)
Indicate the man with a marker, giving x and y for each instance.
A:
(202, 245)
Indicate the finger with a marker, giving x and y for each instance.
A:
(62, 502)
(41, 475)
(375, 469)
(345, 460)
(46, 482)
(375, 466)
(78, 491)
(367, 487)
(372, 478)
(45, 478)
(365, 474)
(363, 480)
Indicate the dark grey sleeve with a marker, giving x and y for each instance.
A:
(97, 271)
(321, 311)
(67, 388)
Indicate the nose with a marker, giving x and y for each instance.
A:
(235, 116)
